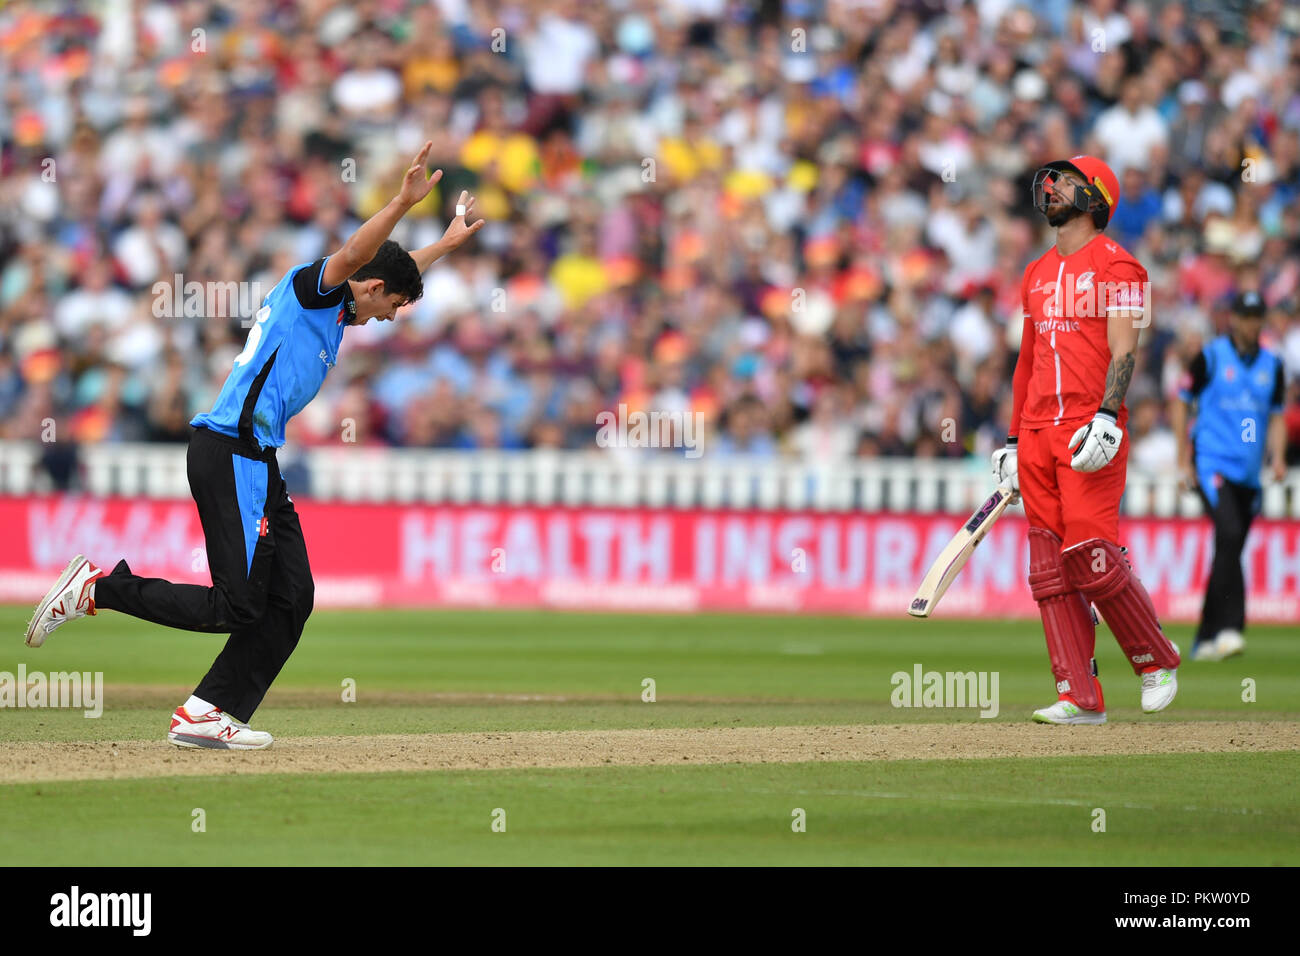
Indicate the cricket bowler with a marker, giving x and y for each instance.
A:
(1084, 307)
(262, 589)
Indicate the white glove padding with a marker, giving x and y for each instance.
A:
(1096, 443)
(1006, 467)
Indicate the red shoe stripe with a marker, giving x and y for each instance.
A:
(85, 591)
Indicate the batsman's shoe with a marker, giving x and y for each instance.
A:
(214, 730)
(72, 596)
(1065, 711)
(1229, 644)
(1159, 687)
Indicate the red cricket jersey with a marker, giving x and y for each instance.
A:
(1064, 353)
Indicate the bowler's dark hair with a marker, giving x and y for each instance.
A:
(395, 266)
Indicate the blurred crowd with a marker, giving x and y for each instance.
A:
(805, 221)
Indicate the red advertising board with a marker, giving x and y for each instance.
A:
(369, 555)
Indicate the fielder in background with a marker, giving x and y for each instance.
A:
(1084, 307)
(262, 590)
(1236, 387)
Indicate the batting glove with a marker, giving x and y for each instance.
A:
(1096, 444)
(1006, 467)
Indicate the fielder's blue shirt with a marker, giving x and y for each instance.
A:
(289, 350)
(1235, 394)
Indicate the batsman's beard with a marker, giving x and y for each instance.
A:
(1059, 215)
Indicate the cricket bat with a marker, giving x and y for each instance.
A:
(954, 556)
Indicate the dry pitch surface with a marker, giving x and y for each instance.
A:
(40, 761)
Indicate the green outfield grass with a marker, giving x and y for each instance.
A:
(710, 671)
(1225, 809)
(831, 667)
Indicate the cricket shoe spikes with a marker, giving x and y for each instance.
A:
(214, 730)
(1066, 711)
(1159, 687)
(72, 596)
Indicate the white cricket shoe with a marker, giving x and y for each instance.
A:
(215, 730)
(1207, 651)
(1229, 643)
(1067, 712)
(72, 596)
(1159, 687)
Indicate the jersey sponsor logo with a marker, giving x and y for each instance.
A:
(1056, 325)
(1242, 401)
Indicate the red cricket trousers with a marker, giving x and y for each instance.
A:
(1075, 506)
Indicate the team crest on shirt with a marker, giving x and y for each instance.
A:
(1262, 378)
(1084, 282)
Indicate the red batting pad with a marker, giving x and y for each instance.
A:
(1067, 622)
(1122, 601)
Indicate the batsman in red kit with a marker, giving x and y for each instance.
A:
(1084, 307)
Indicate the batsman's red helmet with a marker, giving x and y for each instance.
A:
(1099, 197)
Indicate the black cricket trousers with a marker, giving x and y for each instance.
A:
(262, 588)
(1233, 510)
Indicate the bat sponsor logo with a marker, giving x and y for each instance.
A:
(978, 517)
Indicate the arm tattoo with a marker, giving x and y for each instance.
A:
(1118, 375)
